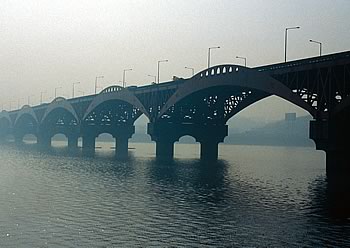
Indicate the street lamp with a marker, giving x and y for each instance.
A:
(210, 48)
(41, 97)
(56, 91)
(154, 77)
(96, 83)
(160, 61)
(73, 88)
(285, 41)
(190, 68)
(124, 84)
(245, 60)
(319, 43)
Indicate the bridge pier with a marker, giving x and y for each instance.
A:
(18, 139)
(73, 142)
(209, 150)
(44, 141)
(333, 137)
(121, 147)
(89, 144)
(165, 149)
(166, 134)
(122, 135)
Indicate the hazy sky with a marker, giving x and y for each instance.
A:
(53, 43)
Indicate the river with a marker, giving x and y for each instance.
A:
(254, 196)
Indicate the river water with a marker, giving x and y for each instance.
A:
(254, 196)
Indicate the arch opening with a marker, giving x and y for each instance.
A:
(270, 121)
(30, 139)
(59, 140)
(212, 105)
(239, 77)
(9, 138)
(112, 112)
(141, 135)
(26, 121)
(187, 147)
(59, 117)
(105, 141)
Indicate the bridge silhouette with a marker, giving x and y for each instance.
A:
(200, 107)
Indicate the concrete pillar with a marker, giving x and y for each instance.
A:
(209, 150)
(121, 146)
(72, 142)
(333, 137)
(165, 135)
(44, 141)
(165, 149)
(18, 139)
(338, 165)
(89, 145)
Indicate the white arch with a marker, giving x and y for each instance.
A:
(233, 75)
(116, 93)
(60, 102)
(26, 110)
(6, 115)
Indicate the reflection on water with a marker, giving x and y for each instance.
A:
(253, 196)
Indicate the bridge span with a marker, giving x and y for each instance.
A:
(199, 106)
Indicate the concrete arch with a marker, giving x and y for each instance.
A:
(60, 102)
(116, 93)
(233, 75)
(26, 110)
(5, 115)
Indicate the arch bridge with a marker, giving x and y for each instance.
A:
(199, 106)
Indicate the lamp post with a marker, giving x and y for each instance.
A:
(154, 77)
(96, 83)
(319, 43)
(125, 70)
(41, 97)
(190, 68)
(56, 91)
(160, 61)
(285, 41)
(245, 60)
(73, 88)
(210, 48)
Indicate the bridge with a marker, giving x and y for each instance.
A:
(199, 106)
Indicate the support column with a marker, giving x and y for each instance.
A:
(209, 150)
(333, 137)
(18, 139)
(338, 165)
(209, 135)
(44, 141)
(121, 146)
(72, 142)
(165, 149)
(89, 145)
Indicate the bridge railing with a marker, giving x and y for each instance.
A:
(301, 62)
(217, 70)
